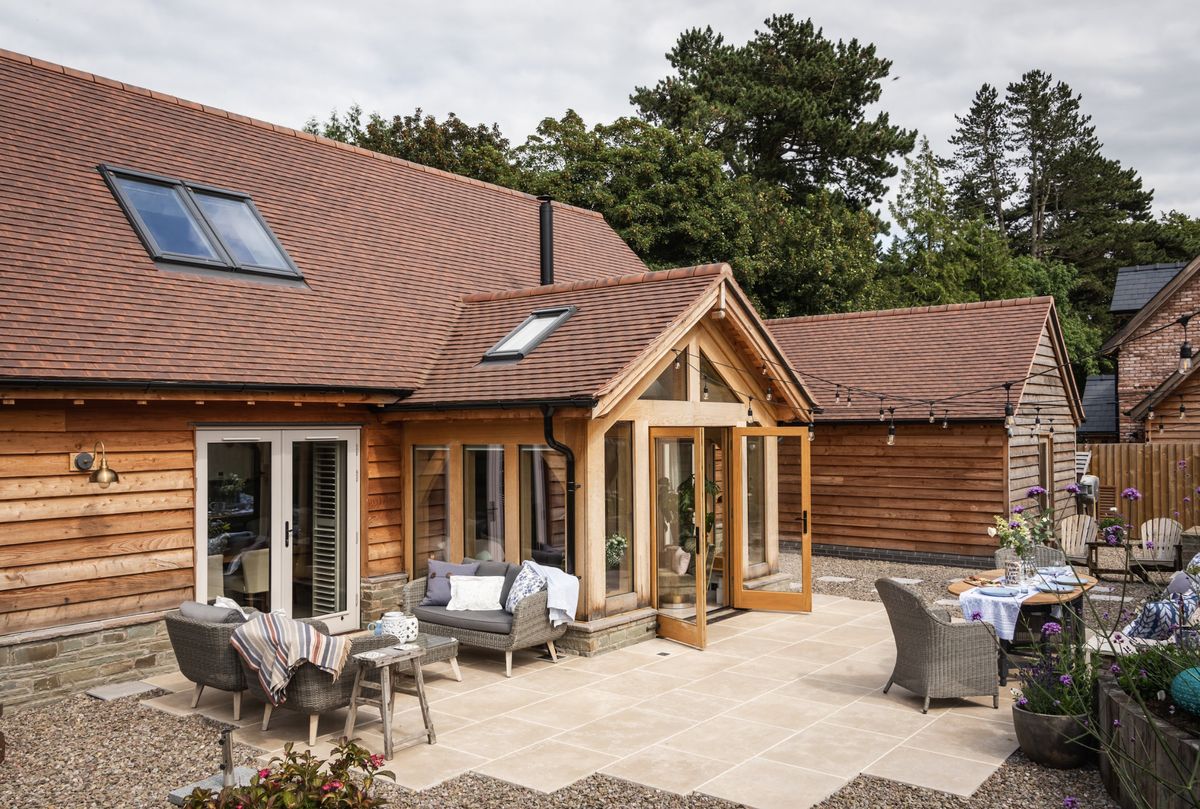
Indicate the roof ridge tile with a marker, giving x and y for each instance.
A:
(675, 274)
(917, 310)
(83, 75)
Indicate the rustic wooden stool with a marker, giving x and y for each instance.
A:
(387, 662)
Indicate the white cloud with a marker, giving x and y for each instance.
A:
(517, 62)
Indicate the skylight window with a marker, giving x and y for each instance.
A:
(187, 223)
(526, 337)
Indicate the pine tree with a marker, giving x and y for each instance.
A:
(981, 171)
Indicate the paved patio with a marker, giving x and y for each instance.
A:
(779, 711)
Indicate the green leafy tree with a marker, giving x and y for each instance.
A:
(788, 108)
(453, 145)
(981, 169)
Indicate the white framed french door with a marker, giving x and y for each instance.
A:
(277, 520)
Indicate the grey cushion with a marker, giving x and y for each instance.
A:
(509, 572)
(209, 614)
(496, 621)
(437, 590)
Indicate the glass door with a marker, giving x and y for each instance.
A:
(678, 581)
(770, 556)
(277, 521)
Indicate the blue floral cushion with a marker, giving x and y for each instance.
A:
(528, 582)
(1189, 603)
(1158, 620)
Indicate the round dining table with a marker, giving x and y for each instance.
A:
(960, 586)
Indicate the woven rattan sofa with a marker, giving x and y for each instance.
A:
(935, 657)
(528, 625)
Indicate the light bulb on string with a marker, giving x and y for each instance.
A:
(1010, 420)
(1051, 425)
(1037, 419)
(881, 408)
(750, 410)
(812, 432)
(849, 397)
(704, 393)
(1185, 350)
(770, 392)
(676, 360)
(946, 420)
(1182, 409)
(932, 417)
(837, 394)
(891, 439)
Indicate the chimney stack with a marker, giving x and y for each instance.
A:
(547, 240)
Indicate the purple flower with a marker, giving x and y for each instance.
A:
(1182, 463)
(1014, 524)
(1022, 702)
(1065, 679)
(1018, 509)
(1149, 543)
(1051, 628)
(1116, 723)
(1071, 488)
(1070, 802)
(1035, 491)
(1114, 668)
(1187, 499)
(976, 616)
(1131, 494)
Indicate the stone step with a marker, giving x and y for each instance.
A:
(111, 691)
(835, 579)
(910, 582)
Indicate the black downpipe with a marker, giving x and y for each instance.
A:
(569, 455)
(546, 231)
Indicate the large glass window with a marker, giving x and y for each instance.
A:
(318, 528)
(671, 384)
(618, 508)
(713, 387)
(526, 337)
(543, 474)
(756, 500)
(431, 523)
(483, 502)
(183, 222)
(239, 522)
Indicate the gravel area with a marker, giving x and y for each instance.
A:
(472, 791)
(1018, 784)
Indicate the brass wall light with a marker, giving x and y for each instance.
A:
(102, 475)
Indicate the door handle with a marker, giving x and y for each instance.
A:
(287, 534)
(804, 521)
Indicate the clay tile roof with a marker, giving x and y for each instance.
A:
(615, 321)
(923, 353)
(388, 248)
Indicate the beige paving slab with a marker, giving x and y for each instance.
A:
(473, 679)
(878, 619)
(556, 680)
(214, 704)
(877, 719)
(408, 721)
(822, 617)
(923, 768)
(548, 766)
(744, 647)
(783, 710)
(833, 749)
(172, 681)
(611, 663)
(773, 667)
(695, 665)
(967, 737)
(422, 766)
(765, 784)
(751, 619)
(641, 683)
(493, 700)
(626, 731)
(855, 607)
(722, 631)
(726, 684)
(981, 707)
(902, 700)
(664, 768)
(789, 631)
(815, 651)
(856, 671)
(655, 646)
(290, 726)
(860, 636)
(829, 692)
(823, 599)
(693, 704)
(728, 738)
(570, 710)
(492, 737)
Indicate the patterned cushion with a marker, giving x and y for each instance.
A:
(437, 587)
(1158, 620)
(528, 582)
(1189, 607)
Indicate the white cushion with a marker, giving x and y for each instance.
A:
(475, 592)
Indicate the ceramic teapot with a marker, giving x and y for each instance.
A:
(397, 624)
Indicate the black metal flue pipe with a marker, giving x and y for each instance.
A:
(547, 240)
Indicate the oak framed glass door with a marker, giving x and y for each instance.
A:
(678, 581)
(277, 521)
(771, 506)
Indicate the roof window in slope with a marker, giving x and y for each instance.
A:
(189, 223)
(525, 338)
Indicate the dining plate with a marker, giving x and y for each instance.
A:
(1054, 587)
(999, 592)
(1073, 581)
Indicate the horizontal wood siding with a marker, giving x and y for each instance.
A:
(1167, 425)
(1045, 391)
(1166, 473)
(73, 552)
(935, 490)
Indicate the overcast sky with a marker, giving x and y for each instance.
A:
(1136, 63)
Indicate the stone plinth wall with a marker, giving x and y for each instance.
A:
(380, 594)
(605, 635)
(44, 668)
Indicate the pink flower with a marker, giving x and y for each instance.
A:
(264, 772)
(331, 785)
(376, 761)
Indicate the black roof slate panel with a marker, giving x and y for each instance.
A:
(1137, 285)
(1100, 404)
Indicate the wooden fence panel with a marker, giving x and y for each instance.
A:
(1167, 475)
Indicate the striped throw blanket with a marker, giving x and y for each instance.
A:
(275, 646)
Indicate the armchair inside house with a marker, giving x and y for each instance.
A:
(250, 583)
(936, 658)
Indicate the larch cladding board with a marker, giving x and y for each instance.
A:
(72, 552)
(1167, 425)
(1046, 392)
(935, 490)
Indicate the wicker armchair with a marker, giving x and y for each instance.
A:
(530, 626)
(205, 657)
(1043, 556)
(312, 691)
(934, 657)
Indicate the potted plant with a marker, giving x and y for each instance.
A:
(1052, 714)
(614, 550)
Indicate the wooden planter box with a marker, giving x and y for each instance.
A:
(1157, 782)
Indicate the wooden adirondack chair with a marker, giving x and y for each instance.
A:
(1161, 546)
(1074, 533)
